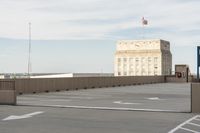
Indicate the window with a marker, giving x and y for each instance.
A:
(155, 59)
(131, 66)
(131, 72)
(125, 73)
(125, 60)
(143, 66)
(131, 60)
(155, 73)
(137, 72)
(119, 60)
(143, 59)
(149, 72)
(143, 73)
(137, 66)
(119, 73)
(149, 59)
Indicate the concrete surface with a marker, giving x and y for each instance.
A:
(170, 97)
(195, 89)
(7, 92)
(65, 120)
(61, 112)
(7, 97)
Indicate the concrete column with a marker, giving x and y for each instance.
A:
(195, 97)
(7, 92)
(7, 97)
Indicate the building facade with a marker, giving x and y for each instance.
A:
(143, 58)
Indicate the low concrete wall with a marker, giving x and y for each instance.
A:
(174, 79)
(195, 97)
(7, 92)
(170, 79)
(58, 84)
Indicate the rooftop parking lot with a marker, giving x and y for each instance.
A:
(152, 97)
(152, 108)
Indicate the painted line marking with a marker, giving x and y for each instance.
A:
(194, 124)
(154, 98)
(127, 103)
(15, 117)
(56, 100)
(104, 108)
(186, 129)
(80, 97)
(197, 119)
(180, 126)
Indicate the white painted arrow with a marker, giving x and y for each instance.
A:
(15, 117)
(120, 102)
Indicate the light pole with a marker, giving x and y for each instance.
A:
(29, 51)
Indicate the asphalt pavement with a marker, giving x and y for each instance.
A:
(70, 120)
(169, 97)
(153, 108)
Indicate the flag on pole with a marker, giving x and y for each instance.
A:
(144, 21)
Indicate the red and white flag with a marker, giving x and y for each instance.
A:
(144, 21)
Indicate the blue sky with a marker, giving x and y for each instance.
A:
(80, 35)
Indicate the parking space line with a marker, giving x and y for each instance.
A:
(197, 119)
(127, 103)
(102, 108)
(194, 124)
(186, 129)
(184, 123)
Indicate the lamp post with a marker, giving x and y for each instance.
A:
(29, 51)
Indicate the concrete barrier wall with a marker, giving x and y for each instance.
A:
(174, 79)
(58, 84)
(170, 79)
(195, 97)
(7, 92)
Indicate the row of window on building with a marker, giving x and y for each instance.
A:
(137, 59)
(137, 66)
(137, 73)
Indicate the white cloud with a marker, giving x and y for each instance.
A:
(97, 19)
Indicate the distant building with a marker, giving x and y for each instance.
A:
(67, 75)
(2, 77)
(143, 57)
(182, 71)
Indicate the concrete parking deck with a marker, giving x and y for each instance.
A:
(168, 97)
(69, 120)
(106, 110)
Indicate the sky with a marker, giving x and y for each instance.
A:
(81, 35)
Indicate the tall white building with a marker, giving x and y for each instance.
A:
(143, 57)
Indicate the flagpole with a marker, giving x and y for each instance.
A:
(142, 31)
(142, 27)
(144, 22)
